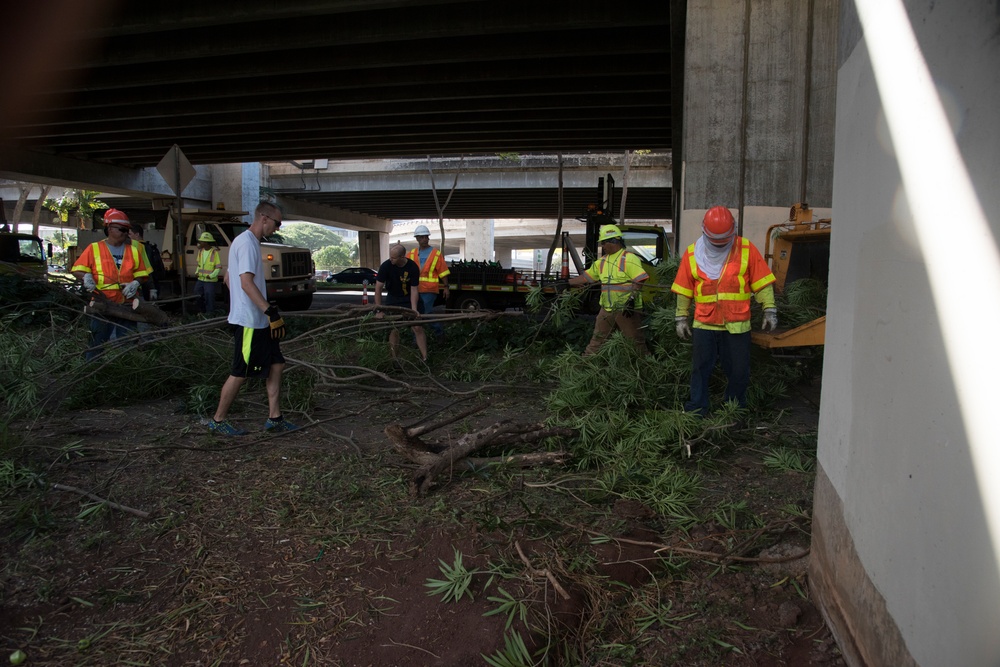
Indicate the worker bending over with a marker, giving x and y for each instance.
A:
(719, 272)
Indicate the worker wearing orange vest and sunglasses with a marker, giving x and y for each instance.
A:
(115, 269)
(720, 272)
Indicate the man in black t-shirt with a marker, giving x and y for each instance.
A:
(401, 278)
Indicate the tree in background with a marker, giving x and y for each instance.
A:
(336, 257)
(60, 240)
(83, 203)
(24, 189)
(310, 235)
(330, 251)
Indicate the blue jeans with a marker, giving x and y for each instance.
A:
(428, 299)
(733, 350)
(101, 332)
(206, 291)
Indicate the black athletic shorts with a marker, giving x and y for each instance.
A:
(253, 352)
(403, 302)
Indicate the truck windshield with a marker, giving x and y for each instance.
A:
(642, 244)
(230, 230)
(17, 248)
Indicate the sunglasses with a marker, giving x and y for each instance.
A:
(277, 223)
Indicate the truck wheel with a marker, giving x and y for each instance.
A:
(301, 302)
(469, 302)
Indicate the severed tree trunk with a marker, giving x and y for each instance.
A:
(437, 202)
(141, 312)
(435, 459)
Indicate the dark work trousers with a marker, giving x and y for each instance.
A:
(104, 329)
(206, 293)
(733, 350)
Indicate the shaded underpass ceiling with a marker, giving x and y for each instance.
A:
(119, 83)
(641, 203)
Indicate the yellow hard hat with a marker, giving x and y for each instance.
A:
(206, 237)
(609, 232)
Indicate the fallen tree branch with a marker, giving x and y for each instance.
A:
(696, 552)
(435, 458)
(541, 573)
(114, 506)
(416, 430)
(134, 311)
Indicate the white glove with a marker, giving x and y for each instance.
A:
(683, 328)
(131, 289)
(88, 282)
(153, 294)
(770, 319)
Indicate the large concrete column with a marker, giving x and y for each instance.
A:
(503, 256)
(237, 186)
(479, 240)
(759, 100)
(906, 525)
(373, 248)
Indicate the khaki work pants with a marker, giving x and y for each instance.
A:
(608, 321)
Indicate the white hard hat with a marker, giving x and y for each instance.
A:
(421, 230)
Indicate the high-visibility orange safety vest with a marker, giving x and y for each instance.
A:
(97, 260)
(432, 271)
(728, 298)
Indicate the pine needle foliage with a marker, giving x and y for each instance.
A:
(803, 301)
(634, 436)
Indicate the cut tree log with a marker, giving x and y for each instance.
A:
(133, 311)
(435, 459)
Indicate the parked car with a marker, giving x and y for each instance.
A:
(354, 276)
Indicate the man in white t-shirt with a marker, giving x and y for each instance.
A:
(257, 326)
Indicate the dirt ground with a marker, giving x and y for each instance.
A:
(308, 549)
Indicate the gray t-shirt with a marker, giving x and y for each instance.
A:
(245, 257)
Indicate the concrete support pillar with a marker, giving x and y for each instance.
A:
(760, 78)
(461, 250)
(237, 186)
(479, 239)
(503, 255)
(373, 248)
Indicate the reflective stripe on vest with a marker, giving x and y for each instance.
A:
(428, 267)
(726, 299)
(208, 262)
(618, 284)
(102, 276)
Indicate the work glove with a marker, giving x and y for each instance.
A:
(153, 294)
(629, 309)
(88, 282)
(561, 286)
(770, 319)
(277, 324)
(683, 328)
(131, 289)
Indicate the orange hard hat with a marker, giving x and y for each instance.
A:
(115, 217)
(718, 225)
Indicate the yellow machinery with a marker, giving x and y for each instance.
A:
(801, 249)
